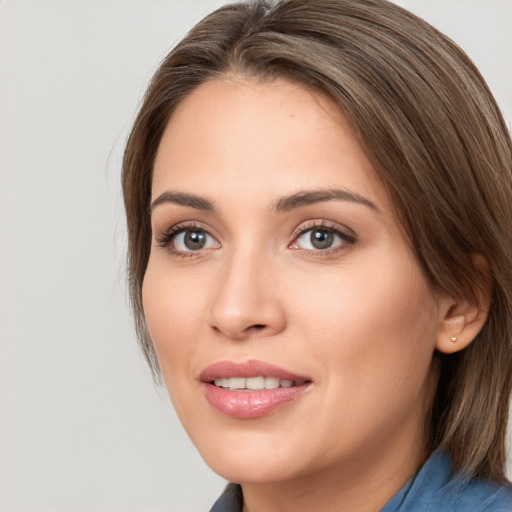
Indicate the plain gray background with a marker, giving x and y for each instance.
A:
(82, 426)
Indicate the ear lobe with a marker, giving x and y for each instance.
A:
(454, 325)
(464, 320)
(460, 329)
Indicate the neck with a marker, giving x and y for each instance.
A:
(364, 484)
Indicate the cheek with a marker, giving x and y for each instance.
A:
(374, 327)
(368, 302)
(174, 313)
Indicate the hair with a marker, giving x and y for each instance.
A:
(430, 126)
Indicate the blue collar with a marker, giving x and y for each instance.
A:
(433, 489)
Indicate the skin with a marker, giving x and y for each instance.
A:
(358, 318)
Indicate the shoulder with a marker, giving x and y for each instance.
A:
(479, 496)
(436, 489)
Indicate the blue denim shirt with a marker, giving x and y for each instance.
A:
(433, 489)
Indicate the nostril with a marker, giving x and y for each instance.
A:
(258, 326)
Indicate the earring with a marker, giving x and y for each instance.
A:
(453, 339)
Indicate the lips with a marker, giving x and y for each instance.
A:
(251, 389)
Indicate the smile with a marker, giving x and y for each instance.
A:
(251, 389)
(254, 383)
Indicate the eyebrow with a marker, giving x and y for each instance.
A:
(181, 199)
(284, 204)
(308, 197)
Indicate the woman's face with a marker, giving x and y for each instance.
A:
(276, 260)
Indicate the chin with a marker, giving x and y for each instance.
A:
(252, 470)
(249, 457)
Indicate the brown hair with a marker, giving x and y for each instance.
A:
(437, 139)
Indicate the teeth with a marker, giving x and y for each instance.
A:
(237, 383)
(271, 382)
(254, 383)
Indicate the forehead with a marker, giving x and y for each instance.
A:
(267, 138)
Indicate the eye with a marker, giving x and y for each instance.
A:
(183, 239)
(193, 240)
(322, 238)
(317, 239)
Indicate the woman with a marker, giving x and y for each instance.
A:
(318, 197)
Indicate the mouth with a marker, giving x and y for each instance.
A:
(254, 383)
(251, 389)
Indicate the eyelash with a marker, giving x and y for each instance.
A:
(170, 234)
(347, 239)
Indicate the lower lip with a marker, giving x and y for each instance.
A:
(251, 404)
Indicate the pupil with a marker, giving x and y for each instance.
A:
(321, 239)
(195, 240)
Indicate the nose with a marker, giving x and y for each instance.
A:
(246, 303)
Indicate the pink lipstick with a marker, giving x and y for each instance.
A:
(251, 389)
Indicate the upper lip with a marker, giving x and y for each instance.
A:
(252, 368)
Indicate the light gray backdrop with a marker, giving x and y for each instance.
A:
(82, 426)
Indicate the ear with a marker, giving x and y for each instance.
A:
(463, 320)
